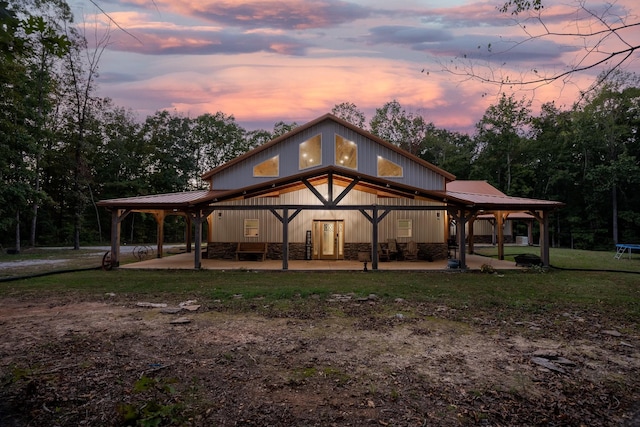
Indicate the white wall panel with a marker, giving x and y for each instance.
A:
(427, 226)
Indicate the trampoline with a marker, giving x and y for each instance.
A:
(622, 248)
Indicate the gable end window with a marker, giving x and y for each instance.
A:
(346, 153)
(270, 167)
(388, 168)
(310, 152)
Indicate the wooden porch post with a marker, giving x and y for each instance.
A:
(188, 232)
(159, 216)
(472, 220)
(115, 238)
(544, 238)
(198, 236)
(285, 239)
(543, 219)
(461, 222)
(374, 239)
(210, 228)
(446, 223)
(117, 215)
(500, 229)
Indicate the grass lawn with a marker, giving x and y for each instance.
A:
(572, 258)
(613, 293)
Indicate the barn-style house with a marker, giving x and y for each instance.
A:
(330, 190)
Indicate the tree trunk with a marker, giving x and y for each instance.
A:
(17, 231)
(508, 173)
(614, 206)
(34, 224)
(95, 207)
(36, 206)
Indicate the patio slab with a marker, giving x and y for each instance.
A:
(185, 261)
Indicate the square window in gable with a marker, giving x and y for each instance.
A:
(388, 168)
(270, 167)
(310, 152)
(346, 153)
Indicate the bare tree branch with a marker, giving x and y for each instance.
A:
(605, 42)
(114, 21)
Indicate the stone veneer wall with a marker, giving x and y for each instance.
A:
(227, 250)
(484, 239)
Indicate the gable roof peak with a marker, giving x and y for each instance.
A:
(330, 117)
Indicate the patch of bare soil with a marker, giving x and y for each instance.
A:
(108, 363)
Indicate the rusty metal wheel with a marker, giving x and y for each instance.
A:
(106, 261)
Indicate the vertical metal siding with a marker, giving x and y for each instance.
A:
(414, 174)
(426, 227)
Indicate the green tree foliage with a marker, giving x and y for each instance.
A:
(171, 162)
(394, 124)
(607, 126)
(217, 139)
(500, 145)
(281, 128)
(121, 157)
(451, 151)
(29, 44)
(349, 112)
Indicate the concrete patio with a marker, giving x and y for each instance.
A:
(184, 261)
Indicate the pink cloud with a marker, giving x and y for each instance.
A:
(286, 14)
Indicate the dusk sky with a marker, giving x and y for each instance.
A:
(265, 61)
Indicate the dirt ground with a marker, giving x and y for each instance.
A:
(357, 362)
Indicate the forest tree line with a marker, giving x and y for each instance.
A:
(63, 148)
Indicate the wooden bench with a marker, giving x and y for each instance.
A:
(251, 248)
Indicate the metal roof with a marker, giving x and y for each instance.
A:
(473, 187)
(160, 201)
(479, 195)
(483, 195)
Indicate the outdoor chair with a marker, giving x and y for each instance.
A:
(394, 252)
(383, 252)
(411, 253)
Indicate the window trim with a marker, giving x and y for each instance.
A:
(276, 159)
(336, 161)
(248, 225)
(315, 163)
(382, 158)
(406, 229)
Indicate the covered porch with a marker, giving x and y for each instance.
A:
(460, 203)
(184, 261)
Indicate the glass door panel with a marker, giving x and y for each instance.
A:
(328, 239)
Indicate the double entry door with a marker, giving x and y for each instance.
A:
(328, 239)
